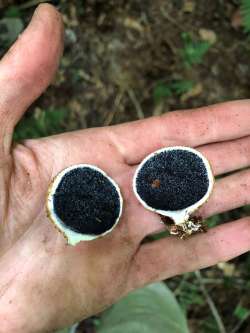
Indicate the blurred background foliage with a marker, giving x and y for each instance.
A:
(129, 59)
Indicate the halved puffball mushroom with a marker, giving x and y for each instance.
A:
(174, 182)
(84, 203)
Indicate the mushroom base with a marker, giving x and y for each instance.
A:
(193, 226)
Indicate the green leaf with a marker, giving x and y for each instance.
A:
(178, 87)
(241, 312)
(182, 86)
(245, 13)
(213, 221)
(11, 27)
(147, 310)
(41, 123)
(161, 91)
(193, 51)
(12, 11)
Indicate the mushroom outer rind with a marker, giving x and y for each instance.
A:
(73, 237)
(178, 216)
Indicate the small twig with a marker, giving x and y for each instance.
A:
(170, 19)
(210, 303)
(177, 291)
(220, 281)
(112, 113)
(137, 106)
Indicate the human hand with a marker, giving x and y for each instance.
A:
(46, 284)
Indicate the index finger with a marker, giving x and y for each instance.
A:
(220, 122)
(170, 256)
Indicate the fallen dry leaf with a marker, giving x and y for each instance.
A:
(236, 20)
(227, 268)
(188, 6)
(208, 35)
(131, 23)
(194, 92)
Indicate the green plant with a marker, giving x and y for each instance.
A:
(40, 123)
(12, 11)
(161, 91)
(176, 87)
(10, 28)
(245, 12)
(189, 293)
(241, 312)
(12, 23)
(213, 221)
(193, 51)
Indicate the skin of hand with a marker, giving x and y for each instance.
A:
(46, 284)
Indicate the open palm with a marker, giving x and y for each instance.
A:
(46, 284)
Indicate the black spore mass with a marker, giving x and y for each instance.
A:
(86, 201)
(172, 180)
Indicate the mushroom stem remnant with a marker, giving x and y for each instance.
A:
(195, 224)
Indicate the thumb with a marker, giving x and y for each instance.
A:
(27, 69)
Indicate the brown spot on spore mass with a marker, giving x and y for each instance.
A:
(156, 183)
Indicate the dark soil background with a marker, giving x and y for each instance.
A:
(126, 60)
